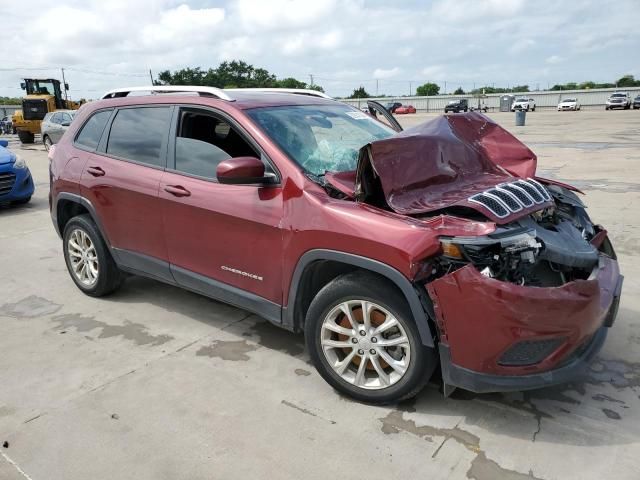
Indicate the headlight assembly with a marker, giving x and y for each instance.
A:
(19, 163)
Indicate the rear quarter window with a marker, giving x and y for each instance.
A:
(138, 134)
(91, 131)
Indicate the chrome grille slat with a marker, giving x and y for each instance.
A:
(531, 190)
(543, 191)
(520, 192)
(507, 198)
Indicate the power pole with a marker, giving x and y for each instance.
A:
(151, 77)
(445, 88)
(376, 87)
(311, 78)
(410, 89)
(64, 85)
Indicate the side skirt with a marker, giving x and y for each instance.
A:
(156, 269)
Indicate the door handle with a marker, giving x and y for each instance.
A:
(177, 191)
(95, 171)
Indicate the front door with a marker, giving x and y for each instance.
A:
(223, 240)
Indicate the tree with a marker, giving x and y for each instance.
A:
(10, 101)
(628, 81)
(291, 83)
(359, 93)
(459, 91)
(428, 89)
(230, 74)
(520, 88)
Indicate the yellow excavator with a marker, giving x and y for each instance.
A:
(42, 96)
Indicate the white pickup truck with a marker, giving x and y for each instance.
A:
(523, 103)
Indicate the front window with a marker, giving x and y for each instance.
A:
(618, 95)
(39, 87)
(569, 100)
(320, 138)
(522, 100)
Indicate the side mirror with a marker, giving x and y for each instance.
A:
(4, 143)
(23, 86)
(66, 123)
(241, 170)
(66, 86)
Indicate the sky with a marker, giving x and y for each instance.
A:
(388, 47)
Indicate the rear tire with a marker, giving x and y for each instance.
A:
(25, 137)
(83, 245)
(371, 372)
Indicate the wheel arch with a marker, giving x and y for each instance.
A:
(69, 205)
(316, 268)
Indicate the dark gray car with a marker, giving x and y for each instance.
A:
(54, 125)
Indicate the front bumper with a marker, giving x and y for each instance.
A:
(480, 319)
(23, 186)
(567, 107)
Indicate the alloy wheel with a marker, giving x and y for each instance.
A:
(83, 258)
(365, 344)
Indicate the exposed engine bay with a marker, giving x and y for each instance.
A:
(547, 248)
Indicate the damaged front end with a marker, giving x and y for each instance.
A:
(548, 248)
(525, 305)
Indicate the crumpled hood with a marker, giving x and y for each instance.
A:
(6, 156)
(441, 163)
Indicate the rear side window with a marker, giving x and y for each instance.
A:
(89, 136)
(138, 134)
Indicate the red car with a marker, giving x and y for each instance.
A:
(323, 220)
(405, 109)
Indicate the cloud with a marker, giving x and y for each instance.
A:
(433, 72)
(521, 45)
(305, 43)
(182, 25)
(341, 42)
(475, 10)
(381, 73)
(282, 14)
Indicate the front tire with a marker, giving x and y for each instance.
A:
(88, 260)
(363, 341)
(25, 137)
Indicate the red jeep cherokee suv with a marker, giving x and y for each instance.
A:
(393, 251)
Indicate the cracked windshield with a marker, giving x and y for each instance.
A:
(320, 138)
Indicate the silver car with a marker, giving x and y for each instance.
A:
(54, 125)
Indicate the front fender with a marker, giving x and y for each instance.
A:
(410, 293)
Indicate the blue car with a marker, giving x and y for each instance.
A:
(16, 183)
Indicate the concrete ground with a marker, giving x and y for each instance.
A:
(159, 383)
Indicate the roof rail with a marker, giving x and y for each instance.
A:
(123, 92)
(298, 91)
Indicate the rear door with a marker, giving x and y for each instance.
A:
(121, 180)
(220, 236)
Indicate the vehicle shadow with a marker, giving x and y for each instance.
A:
(604, 398)
(8, 210)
